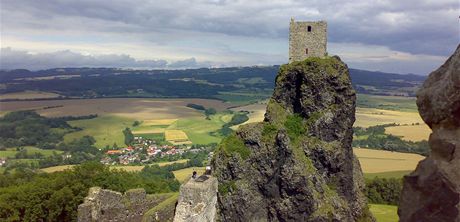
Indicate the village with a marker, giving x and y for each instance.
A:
(144, 150)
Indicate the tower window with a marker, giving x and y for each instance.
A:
(306, 51)
(309, 28)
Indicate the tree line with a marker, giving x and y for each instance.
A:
(374, 137)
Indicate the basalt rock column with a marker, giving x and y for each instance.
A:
(297, 165)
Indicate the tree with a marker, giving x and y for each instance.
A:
(209, 112)
(129, 137)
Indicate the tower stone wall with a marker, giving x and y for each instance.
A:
(307, 39)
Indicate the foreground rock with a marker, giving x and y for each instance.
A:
(432, 191)
(135, 205)
(297, 165)
(197, 200)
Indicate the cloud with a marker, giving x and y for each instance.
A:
(219, 30)
(15, 59)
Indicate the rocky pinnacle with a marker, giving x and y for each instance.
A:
(298, 164)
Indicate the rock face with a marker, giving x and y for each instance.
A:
(108, 205)
(197, 201)
(297, 165)
(432, 191)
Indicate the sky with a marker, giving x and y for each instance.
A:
(400, 36)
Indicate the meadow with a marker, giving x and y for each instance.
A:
(384, 213)
(11, 152)
(397, 103)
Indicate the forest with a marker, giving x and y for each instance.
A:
(197, 83)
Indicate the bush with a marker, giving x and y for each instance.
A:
(233, 144)
(383, 190)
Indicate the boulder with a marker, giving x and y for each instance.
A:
(432, 191)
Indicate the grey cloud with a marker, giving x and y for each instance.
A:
(15, 59)
(414, 26)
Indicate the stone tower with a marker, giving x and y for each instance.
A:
(307, 39)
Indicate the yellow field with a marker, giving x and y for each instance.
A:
(29, 95)
(366, 117)
(412, 133)
(256, 113)
(157, 122)
(377, 161)
(184, 175)
(175, 136)
(147, 131)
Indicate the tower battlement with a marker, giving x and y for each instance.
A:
(307, 39)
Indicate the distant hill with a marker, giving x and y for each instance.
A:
(219, 83)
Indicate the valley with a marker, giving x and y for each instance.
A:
(173, 122)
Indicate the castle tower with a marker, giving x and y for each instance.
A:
(307, 39)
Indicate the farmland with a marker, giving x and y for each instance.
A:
(133, 108)
(11, 152)
(410, 132)
(378, 161)
(115, 115)
(127, 168)
(384, 213)
(396, 103)
(107, 130)
(28, 95)
(176, 137)
(256, 112)
(366, 117)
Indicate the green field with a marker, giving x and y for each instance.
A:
(107, 130)
(11, 152)
(397, 103)
(199, 129)
(390, 174)
(384, 213)
(244, 97)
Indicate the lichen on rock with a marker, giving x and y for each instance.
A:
(297, 165)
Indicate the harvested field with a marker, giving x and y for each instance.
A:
(134, 108)
(366, 117)
(157, 122)
(29, 95)
(378, 161)
(176, 136)
(256, 113)
(412, 133)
